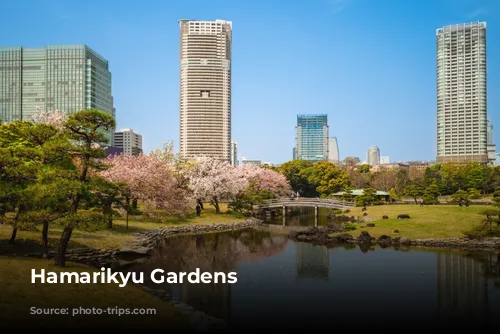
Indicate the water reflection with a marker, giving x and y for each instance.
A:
(284, 281)
(301, 216)
(312, 261)
(210, 252)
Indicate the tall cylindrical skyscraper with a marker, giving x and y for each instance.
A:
(205, 94)
(373, 156)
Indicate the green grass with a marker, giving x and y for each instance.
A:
(31, 240)
(437, 221)
(18, 295)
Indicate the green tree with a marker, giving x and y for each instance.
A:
(476, 176)
(414, 191)
(327, 178)
(460, 195)
(27, 152)
(393, 195)
(364, 168)
(294, 172)
(431, 194)
(369, 197)
(86, 130)
(474, 193)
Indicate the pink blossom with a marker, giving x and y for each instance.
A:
(151, 180)
(266, 179)
(56, 118)
(216, 179)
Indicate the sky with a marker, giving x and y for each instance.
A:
(370, 65)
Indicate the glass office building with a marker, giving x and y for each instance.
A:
(57, 77)
(312, 137)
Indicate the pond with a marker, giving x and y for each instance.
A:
(285, 284)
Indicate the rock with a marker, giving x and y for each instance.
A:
(384, 240)
(333, 228)
(395, 231)
(135, 251)
(370, 225)
(404, 216)
(365, 237)
(404, 241)
(342, 238)
(385, 217)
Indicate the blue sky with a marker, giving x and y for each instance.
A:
(368, 64)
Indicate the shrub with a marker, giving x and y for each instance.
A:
(350, 227)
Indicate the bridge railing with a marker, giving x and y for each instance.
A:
(305, 200)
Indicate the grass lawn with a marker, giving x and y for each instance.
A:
(18, 295)
(437, 221)
(31, 240)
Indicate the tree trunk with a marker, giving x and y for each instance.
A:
(63, 245)
(45, 237)
(108, 214)
(415, 199)
(215, 202)
(12, 239)
(134, 204)
(126, 220)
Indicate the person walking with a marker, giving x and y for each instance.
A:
(198, 210)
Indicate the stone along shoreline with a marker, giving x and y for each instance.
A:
(322, 236)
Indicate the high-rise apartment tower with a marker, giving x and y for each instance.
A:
(461, 93)
(205, 89)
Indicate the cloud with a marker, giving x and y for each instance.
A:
(335, 6)
(476, 13)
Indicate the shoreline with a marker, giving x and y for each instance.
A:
(321, 236)
(118, 259)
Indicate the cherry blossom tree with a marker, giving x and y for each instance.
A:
(151, 180)
(56, 117)
(216, 180)
(261, 179)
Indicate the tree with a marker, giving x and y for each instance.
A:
(85, 129)
(431, 194)
(414, 191)
(393, 195)
(27, 152)
(364, 168)
(216, 180)
(327, 178)
(265, 179)
(152, 179)
(460, 195)
(474, 193)
(384, 180)
(294, 172)
(368, 197)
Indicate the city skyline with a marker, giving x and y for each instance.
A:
(149, 85)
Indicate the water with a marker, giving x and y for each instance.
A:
(286, 284)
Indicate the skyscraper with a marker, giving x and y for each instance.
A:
(67, 78)
(373, 156)
(234, 153)
(333, 149)
(129, 141)
(205, 89)
(312, 137)
(491, 146)
(461, 93)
